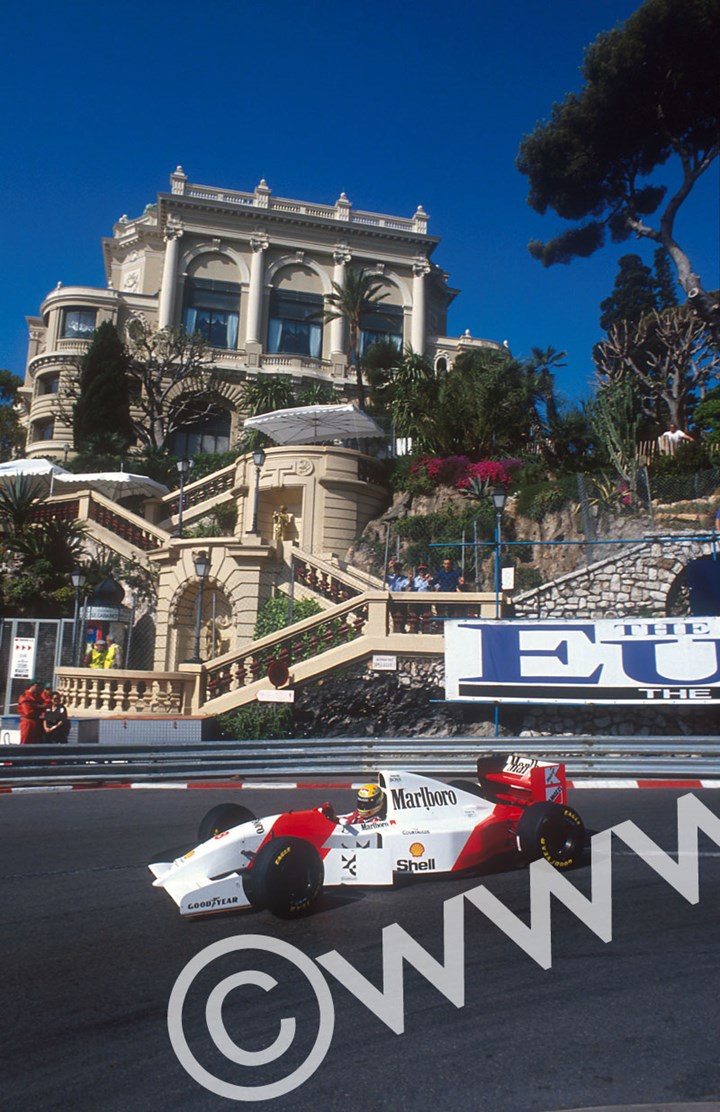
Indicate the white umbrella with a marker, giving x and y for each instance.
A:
(42, 471)
(112, 484)
(310, 424)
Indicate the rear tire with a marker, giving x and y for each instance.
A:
(286, 877)
(221, 818)
(553, 831)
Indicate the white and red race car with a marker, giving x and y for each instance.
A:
(516, 812)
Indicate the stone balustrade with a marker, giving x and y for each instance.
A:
(93, 691)
(375, 621)
(202, 490)
(302, 641)
(340, 211)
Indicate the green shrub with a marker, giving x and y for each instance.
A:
(256, 722)
(401, 477)
(527, 577)
(220, 522)
(539, 499)
(274, 614)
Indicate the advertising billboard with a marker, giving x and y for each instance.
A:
(614, 661)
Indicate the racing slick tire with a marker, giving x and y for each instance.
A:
(553, 831)
(221, 818)
(286, 877)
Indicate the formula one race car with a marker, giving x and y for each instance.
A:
(404, 825)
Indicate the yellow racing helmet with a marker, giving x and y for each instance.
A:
(370, 801)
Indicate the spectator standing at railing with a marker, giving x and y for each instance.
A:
(669, 440)
(111, 658)
(449, 578)
(95, 655)
(396, 579)
(30, 709)
(423, 580)
(56, 724)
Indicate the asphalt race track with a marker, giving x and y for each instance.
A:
(90, 954)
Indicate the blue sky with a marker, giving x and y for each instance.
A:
(395, 103)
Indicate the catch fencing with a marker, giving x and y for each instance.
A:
(648, 758)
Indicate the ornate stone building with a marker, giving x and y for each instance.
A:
(252, 273)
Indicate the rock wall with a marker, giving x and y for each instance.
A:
(638, 581)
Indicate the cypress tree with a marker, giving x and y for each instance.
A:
(102, 411)
(665, 287)
(633, 294)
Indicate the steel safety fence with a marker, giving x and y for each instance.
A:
(662, 758)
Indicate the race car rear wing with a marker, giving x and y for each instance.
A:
(518, 779)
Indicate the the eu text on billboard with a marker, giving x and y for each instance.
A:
(614, 661)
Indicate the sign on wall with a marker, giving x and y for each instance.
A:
(22, 665)
(630, 661)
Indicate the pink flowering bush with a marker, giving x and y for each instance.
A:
(460, 472)
(441, 472)
(489, 472)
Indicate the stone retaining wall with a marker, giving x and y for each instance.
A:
(631, 582)
(358, 702)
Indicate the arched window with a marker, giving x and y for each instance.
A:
(209, 432)
(295, 323)
(211, 301)
(382, 321)
(211, 308)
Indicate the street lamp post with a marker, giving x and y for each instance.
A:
(78, 577)
(258, 460)
(184, 466)
(202, 567)
(499, 497)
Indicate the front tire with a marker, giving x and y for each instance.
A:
(286, 877)
(221, 818)
(553, 831)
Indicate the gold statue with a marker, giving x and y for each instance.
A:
(281, 520)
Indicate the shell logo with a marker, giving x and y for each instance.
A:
(417, 849)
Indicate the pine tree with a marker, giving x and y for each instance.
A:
(102, 411)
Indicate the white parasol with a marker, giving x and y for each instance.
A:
(42, 471)
(112, 484)
(310, 424)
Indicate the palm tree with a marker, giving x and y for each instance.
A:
(56, 545)
(351, 300)
(19, 499)
(414, 402)
(263, 395)
(266, 393)
(542, 363)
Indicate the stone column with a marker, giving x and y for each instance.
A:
(258, 244)
(166, 310)
(341, 257)
(421, 267)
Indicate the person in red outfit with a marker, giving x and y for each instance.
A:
(30, 708)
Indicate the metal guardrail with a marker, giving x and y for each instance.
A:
(656, 758)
